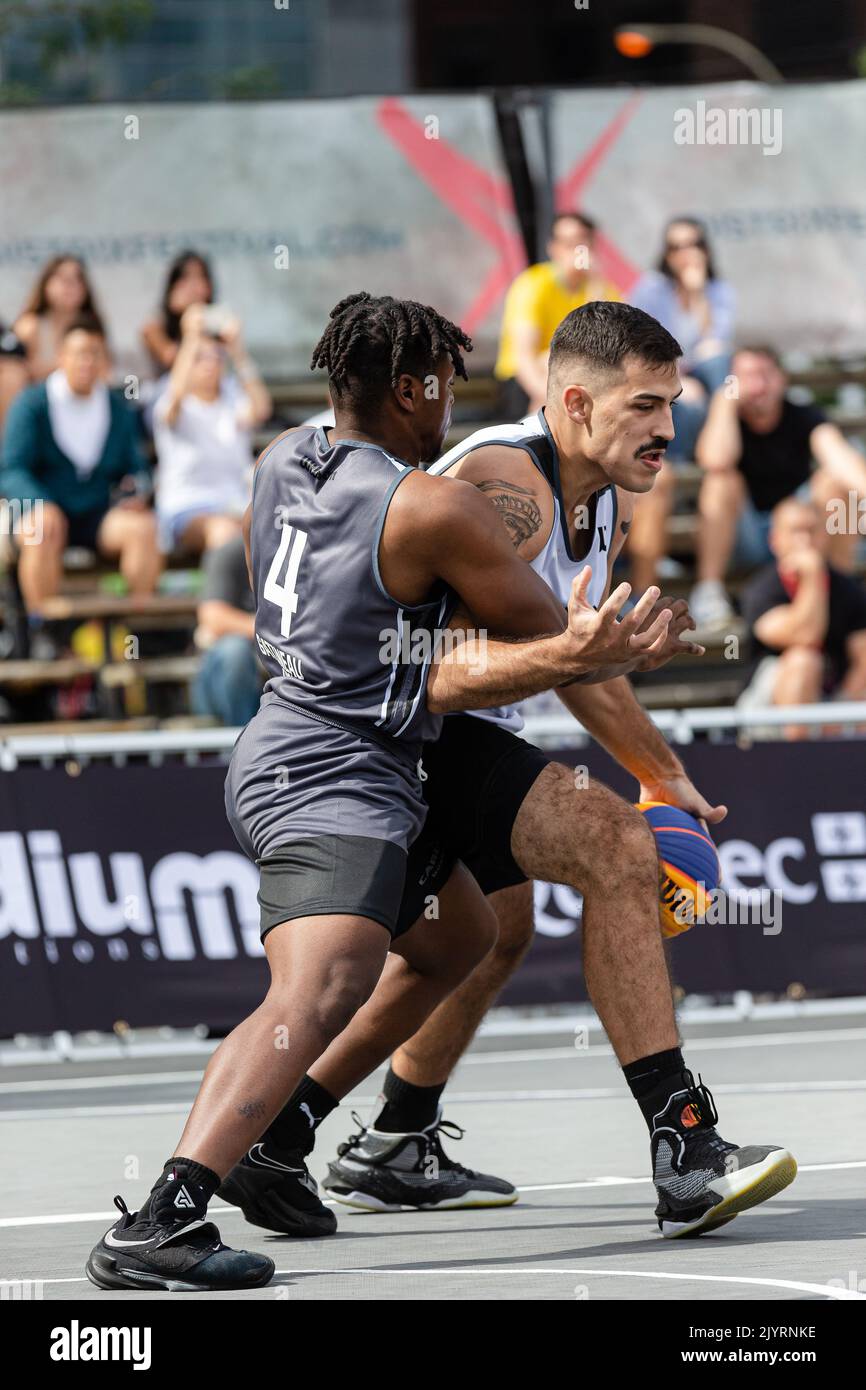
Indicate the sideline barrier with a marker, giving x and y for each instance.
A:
(123, 895)
(678, 725)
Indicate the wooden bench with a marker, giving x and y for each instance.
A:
(80, 607)
(22, 674)
(174, 670)
(705, 694)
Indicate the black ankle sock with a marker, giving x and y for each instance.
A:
(195, 1173)
(299, 1118)
(407, 1108)
(653, 1079)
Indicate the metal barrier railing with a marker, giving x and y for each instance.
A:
(561, 729)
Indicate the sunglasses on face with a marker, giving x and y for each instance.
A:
(686, 245)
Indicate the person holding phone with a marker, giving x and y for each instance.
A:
(202, 425)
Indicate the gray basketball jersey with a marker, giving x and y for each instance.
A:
(555, 562)
(334, 642)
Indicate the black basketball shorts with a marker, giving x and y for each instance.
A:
(477, 777)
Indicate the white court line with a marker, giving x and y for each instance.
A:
(95, 1083)
(72, 1217)
(824, 1290)
(532, 1054)
(723, 1044)
(727, 1088)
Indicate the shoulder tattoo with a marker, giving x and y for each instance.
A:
(516, 505)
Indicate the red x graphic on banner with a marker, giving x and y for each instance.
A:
(479, 199)
(569, 192)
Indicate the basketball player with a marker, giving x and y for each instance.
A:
(349, 541)
(564, 483)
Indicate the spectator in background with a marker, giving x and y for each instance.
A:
(61, 295)
(229, 683)
(14, 375)
(535, 305)
(756, 449)
(202, 430)
(807, 620)
(72, 443)
(687, 297)
(189, 281)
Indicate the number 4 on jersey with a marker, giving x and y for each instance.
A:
(292, 542)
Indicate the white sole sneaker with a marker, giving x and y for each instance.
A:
(739, 1191)
(362, 1201)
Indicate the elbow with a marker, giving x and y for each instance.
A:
(437, 701)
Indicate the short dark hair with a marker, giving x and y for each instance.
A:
(604, 332)
(84, 323)
(369, 343)
(573, 216)
(760, 350)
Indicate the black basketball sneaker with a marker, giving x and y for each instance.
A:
(702, 1181)
(278, 1193)
(169, 1245)
(377, 1171)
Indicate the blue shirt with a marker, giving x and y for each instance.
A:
(656, 294)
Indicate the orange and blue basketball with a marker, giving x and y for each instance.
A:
(688, 866)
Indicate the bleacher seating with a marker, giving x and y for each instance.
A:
(688, 681)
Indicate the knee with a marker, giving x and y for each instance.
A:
(802, 661)
(346, 989)
(719, 487)
(51, 528)
(514, 937)
(219, 530)
(628, 854)
(142, 529)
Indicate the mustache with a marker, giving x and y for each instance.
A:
(652, 448)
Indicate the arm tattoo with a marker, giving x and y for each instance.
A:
(516, 505)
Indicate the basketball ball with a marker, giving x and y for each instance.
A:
(688, 866)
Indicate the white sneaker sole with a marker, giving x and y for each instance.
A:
(739, 1191)
(363, 1202)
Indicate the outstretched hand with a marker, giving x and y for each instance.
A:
(674, 644)
(602, 638)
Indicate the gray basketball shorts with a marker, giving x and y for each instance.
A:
(326, 814)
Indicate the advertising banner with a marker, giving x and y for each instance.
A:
(125, 898)
(297, 204)
(771, 170)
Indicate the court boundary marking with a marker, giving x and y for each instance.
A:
(70, 1218)
(827, 1291)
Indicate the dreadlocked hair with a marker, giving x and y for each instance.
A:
(369, 343)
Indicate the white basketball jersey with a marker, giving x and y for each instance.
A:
(555, 562)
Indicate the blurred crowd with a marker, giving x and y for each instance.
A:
(156, 468)
(781, 492)
(160, 468)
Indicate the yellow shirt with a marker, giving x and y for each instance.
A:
(539, 297)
